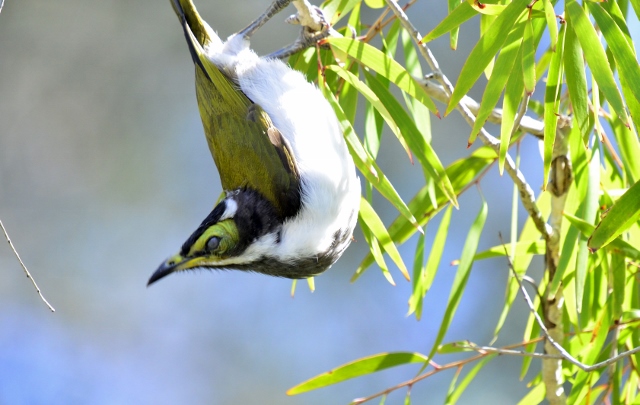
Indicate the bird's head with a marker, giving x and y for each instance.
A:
(228, 237)
(245, 232)
(209, 246)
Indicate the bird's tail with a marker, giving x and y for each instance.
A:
(197, 32)
(205, 48)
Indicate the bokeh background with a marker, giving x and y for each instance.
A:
(104, 172)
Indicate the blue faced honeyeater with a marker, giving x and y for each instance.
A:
(291, 191)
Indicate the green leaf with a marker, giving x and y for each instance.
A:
(486, 48)
(590, 206)
(437, 248)
(624, 213)
(618, 272)
(358, 368)
(390, 41)
(486, 21)
(373, 123)
(576, 78)
(462, 173)
(453, 35)
(417, 143)
(454, 396)
(620, 48)
(452, 21)
(365, 163)
(512, 98)
(532, 330)
(383, 65)
(498, 80)
(589, 355)
(374, 223)
(617, 245)
(376, 251)
(353, 81)
(428, 272)
(596, 57)
(349, 98)
(375, 3)
(552, 104)
(419, 111)
(527, 247)
(417, 294)
(338, 8)
(529, 58)
(627, 138)
(550, 15)
(462, 275)
(535, 396)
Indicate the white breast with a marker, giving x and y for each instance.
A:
(330, 187)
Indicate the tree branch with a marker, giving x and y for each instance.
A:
(436, 91)
(314, 28)
(15, 252)
(526, 193)
(561, 350)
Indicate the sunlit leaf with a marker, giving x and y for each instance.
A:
(383, 65)
(462, 172)
(498, 80)
(375, 3)
(512, 98)
(529, 58)
(367, 166)
(590, 208)
(552, 104)
(621, 49)
(624, 213)
(550, 15)
(456, 17)
(338, 8)
(419, 111)
(422, 149)
(454, 396)
(617, 245)
(576, 78)
(376, 251)
(353, 82)
(357, 368)
(462, 275)
(596, 58)
(374, 223)
(536, 247)
(417, 294)
(535, 396)
(486, 48)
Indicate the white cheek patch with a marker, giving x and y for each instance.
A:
(231, 206)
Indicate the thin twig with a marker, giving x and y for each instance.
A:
(498, 350)
(437, 369)
(15, 252)
(411, 382)
(314, 28)
(565, 354)
(521, 112)
(436, 91)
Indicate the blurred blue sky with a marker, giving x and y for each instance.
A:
(104, 172)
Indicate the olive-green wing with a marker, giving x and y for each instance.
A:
(246, 148)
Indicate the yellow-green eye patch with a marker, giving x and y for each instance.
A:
(219, 239)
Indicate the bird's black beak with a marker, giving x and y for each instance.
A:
(171, 265)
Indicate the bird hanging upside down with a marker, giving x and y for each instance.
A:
(291, 191)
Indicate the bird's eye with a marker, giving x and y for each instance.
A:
(213, 243)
